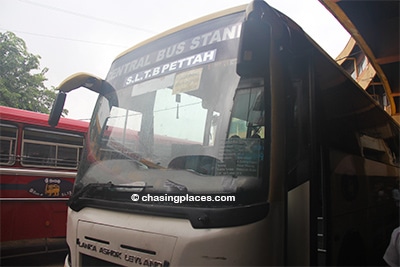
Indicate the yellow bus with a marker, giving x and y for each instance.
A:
(232, 140)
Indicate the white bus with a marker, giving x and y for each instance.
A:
(232, 140)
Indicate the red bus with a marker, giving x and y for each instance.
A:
(38, 164)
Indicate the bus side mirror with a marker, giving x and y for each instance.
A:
(254, 44)
(76, 81)
(57, 109)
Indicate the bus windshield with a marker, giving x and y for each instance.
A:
(185, 122)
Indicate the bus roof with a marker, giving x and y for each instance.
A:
(186, 25)
(40, 119)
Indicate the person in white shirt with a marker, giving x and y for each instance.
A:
(392, 254)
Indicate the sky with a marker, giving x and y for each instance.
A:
(86, 35)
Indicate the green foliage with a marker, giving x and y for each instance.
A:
(21, 80)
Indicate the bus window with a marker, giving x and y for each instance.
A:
(7, 144)
(243, 152)
(68, 156)
(51, 149)
(248, 115)
(120, 131)
(38, 154)
(177, 111)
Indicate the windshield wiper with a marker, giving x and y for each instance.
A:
(137, 186)
(94, 187)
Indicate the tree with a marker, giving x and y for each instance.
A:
(21, 80)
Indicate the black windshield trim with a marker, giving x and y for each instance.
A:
(199, 217)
